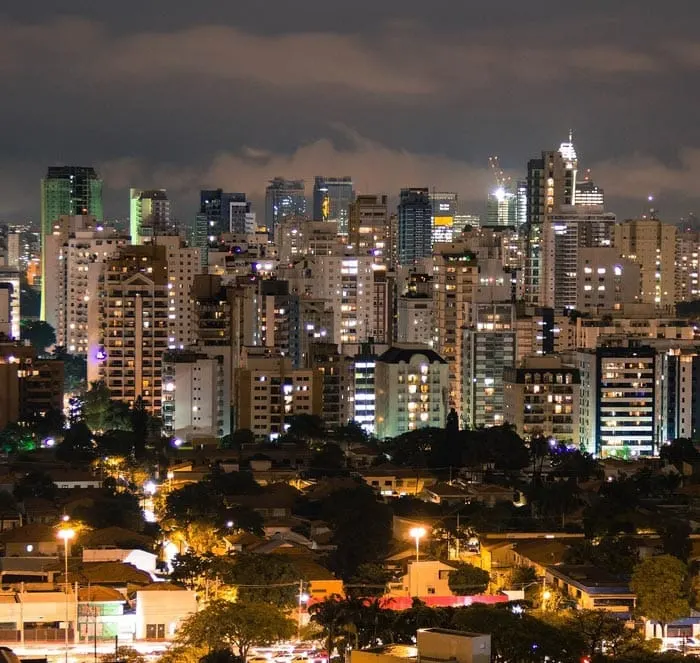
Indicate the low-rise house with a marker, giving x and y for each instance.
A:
(142, 560)
(30, 541)
(69, 478)
(160, 609)
(397, 481)
(445, 493)
(423, 578)
(490, 494)
(592, 588)
(101, 614)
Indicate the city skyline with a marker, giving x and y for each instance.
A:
(511, 80)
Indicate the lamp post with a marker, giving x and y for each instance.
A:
(303, 598)
(66, 533)
(417, 533)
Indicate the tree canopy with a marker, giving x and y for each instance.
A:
(661, 585)
(468, 579)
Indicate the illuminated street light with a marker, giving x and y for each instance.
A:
(66, 533)
(417, 533)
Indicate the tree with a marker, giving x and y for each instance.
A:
(350, 433)
(140, 425)
(361, 528)
(14, 439)
(74, 369)
(36, 484)
(97, 407)
(124, 655)
(237, 439)
(662, 588)
(118, 509)
(223, 624)
(221, 656)
(41, 335)
(77, 446)
(276, 578)
(328, 461)
(306, 427)
(369, 580)
(189, 568)
(333, 615)
(521, 576)
(675, 537)
(598, 628)
(617, 554)
(467, 580)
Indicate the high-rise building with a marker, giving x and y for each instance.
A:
(541, 398)
(605, 281)
(415, 315)
(76, 252)
(284, 199)
(269, 392)
(225, 213)
(502, 207)
(67, 191)
(455, 277)
(415, 226)
(369, 229)
(193, 396)
(337, 372)
(589, 195)
(687, 265)
(563, 235)
(279, 319)
(332, 199)
(10, 301)
(618, 401)
(444, 210)
(652, 245)
(489, 348)
(551, 183)
(680, 397)
(411, 385)
(149, 214)
(134, 302)
(183, 266)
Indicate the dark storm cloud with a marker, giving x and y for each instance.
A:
(231, 93)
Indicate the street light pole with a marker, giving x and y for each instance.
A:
(417, 533)
(66, 534)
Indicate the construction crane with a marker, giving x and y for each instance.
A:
(502, 180)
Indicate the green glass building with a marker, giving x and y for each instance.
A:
(67, 191)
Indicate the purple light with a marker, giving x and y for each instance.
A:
(101, 355)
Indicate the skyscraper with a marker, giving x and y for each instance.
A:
(332, 199)
(502, 207)
(444, 211)
(283, 199)
(551, 183)
(225, 212)
(588, 194)
(415, 216)
(149, 214)
(67, 191)
(368, 230)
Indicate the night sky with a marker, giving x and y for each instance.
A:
(183, 94)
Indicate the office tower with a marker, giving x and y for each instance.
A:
(382, 321)
(332, 199)
(415, 226)
(589, 195)
(76, 252)
(521, 204)
(415, 313)
(225, 212)
(284, 199)
(551, 183)
(502, 206)
(67, 191)
(411, 385)
(489, 348)
(652, 245)
(604, 281)
(680, 397)
(541, 398)
(618, 401)
(269, 393)
(369, 230)
(687, 265)
(455, 277)
(337, 373)
(444, 209)
(134, 302)
(14, 249)
(563, 235)
(9, 302)
(149, 214)
(193, 395)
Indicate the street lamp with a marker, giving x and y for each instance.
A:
(66, 533)
(417, 533)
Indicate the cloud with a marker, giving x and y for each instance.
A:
(376, 168)
(398, 59)
(638, 175)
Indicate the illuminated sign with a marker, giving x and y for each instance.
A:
(443, 220)
(326, 208)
